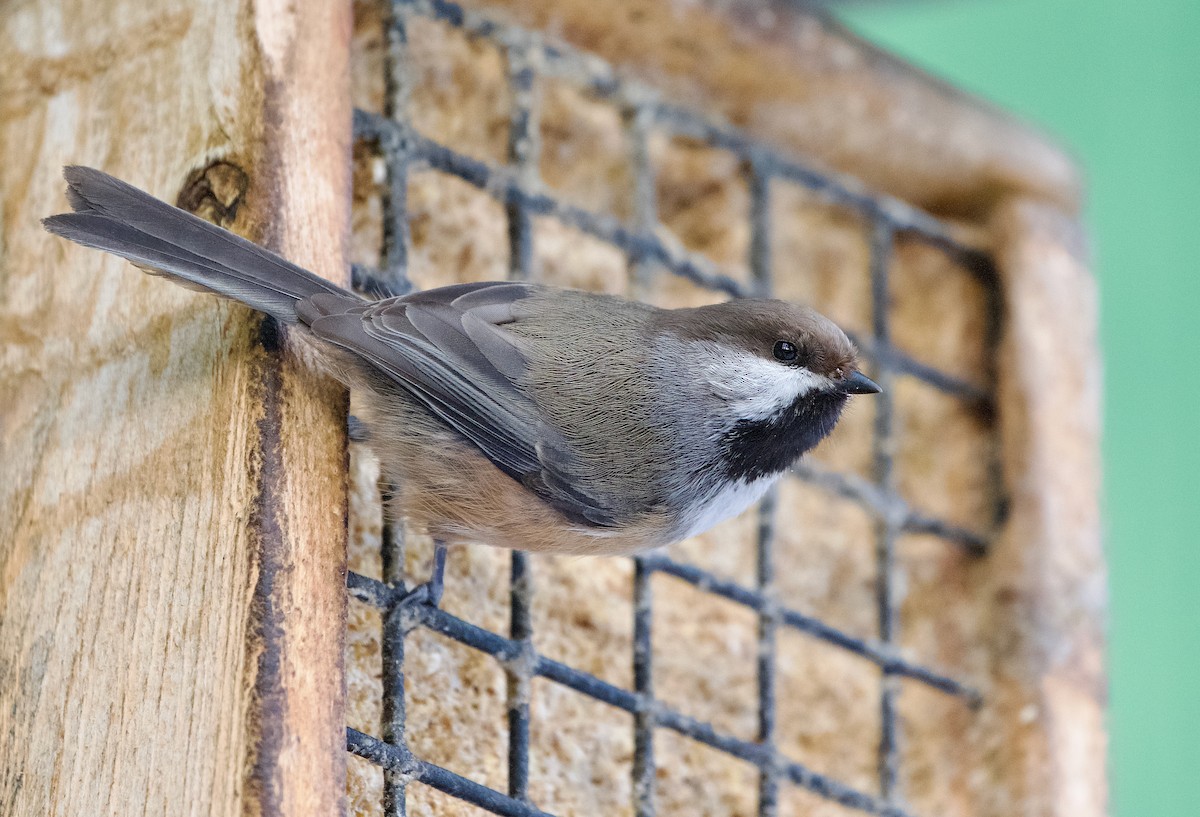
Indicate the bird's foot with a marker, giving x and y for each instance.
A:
(357, 430)
(429, 593)
(437, 576)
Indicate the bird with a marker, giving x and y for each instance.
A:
(519, 414)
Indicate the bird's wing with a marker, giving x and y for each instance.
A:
(448, 348)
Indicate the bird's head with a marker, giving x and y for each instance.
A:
(781, 375)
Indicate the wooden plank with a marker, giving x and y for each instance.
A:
(1048, 574)
(171, 539)
(300, 726)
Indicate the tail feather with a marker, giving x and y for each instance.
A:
(113, 216)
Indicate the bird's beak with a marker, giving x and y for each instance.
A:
(859, 383)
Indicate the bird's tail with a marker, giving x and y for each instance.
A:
(111, 215)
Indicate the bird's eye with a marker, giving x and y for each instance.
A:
(785, 351)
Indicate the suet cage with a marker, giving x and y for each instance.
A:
(910, 625)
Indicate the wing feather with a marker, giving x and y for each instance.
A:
(447, 348)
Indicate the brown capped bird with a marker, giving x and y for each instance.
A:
(522, 415)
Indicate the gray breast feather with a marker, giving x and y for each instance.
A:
(447, 348)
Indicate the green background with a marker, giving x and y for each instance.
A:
(1118, 83)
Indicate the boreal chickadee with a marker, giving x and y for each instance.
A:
(522, 415)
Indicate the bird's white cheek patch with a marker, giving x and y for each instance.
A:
(757, 388)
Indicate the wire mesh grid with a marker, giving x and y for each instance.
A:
(515, 186)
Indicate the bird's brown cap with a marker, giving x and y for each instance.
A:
(757, 325)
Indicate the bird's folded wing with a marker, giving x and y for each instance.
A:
(447, 348)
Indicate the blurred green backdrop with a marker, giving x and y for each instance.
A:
(1119, 84)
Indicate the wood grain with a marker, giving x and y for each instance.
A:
(172, 532)
(300, 601)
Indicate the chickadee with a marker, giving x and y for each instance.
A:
(522, 415)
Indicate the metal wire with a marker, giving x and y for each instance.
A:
(517, 187)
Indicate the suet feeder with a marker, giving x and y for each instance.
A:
(204, 610)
